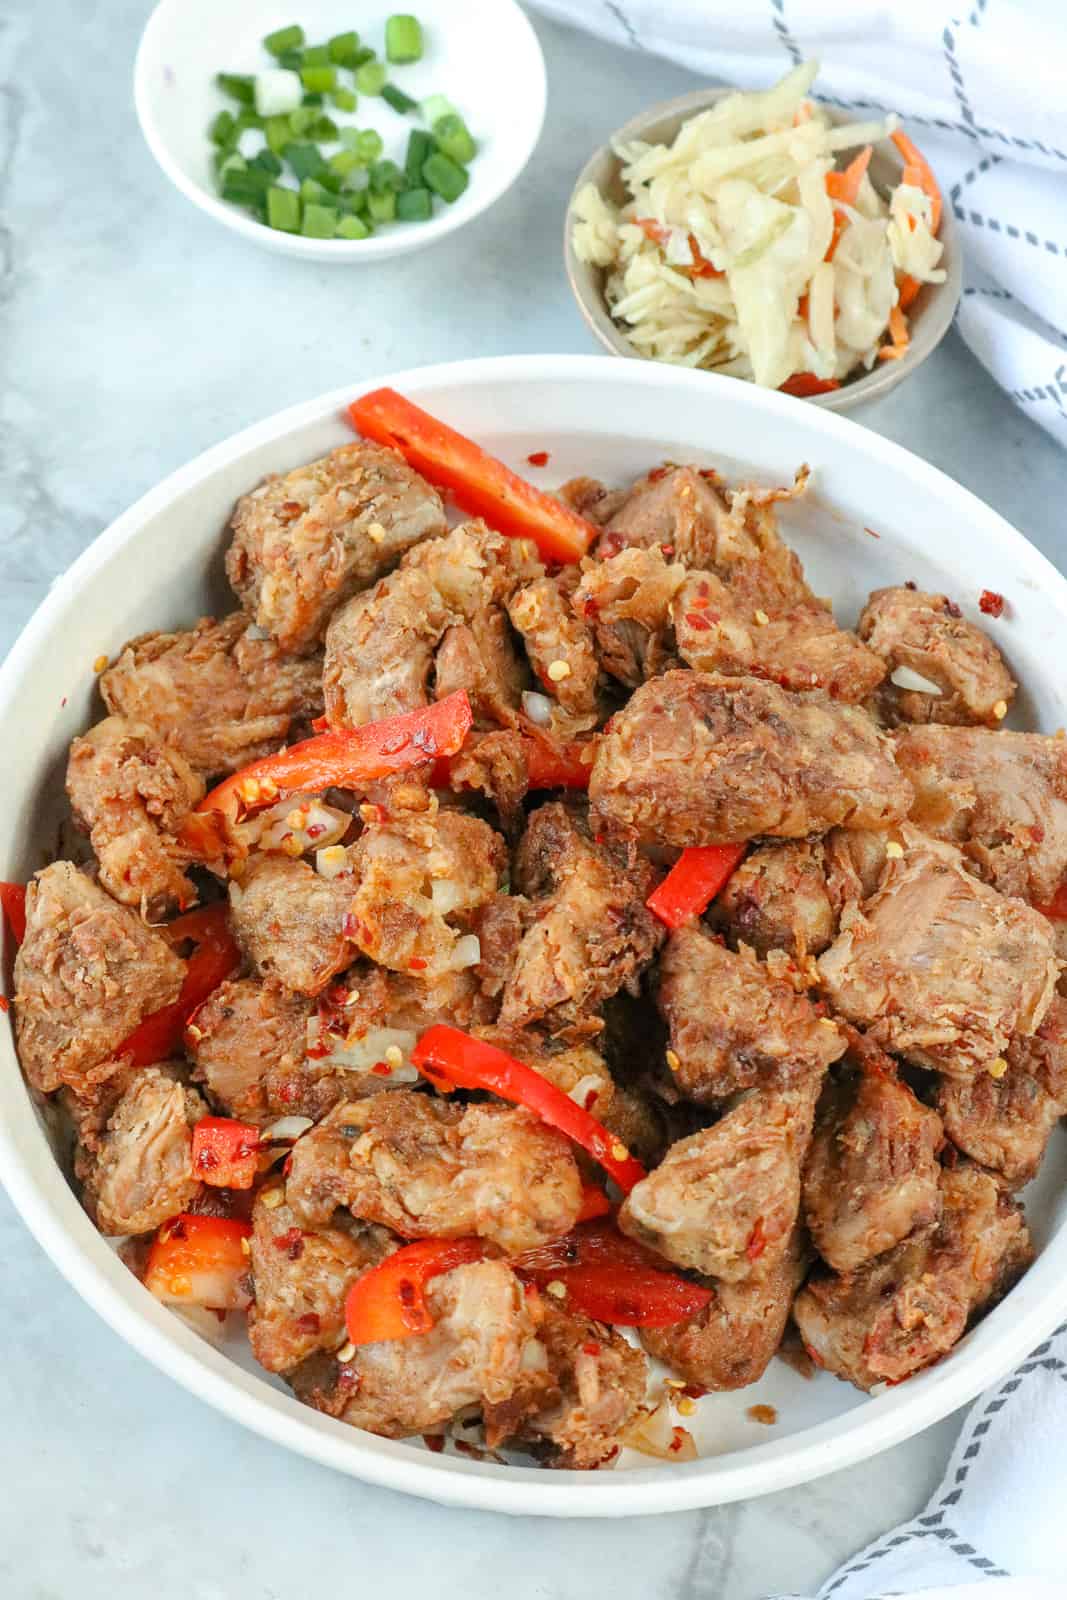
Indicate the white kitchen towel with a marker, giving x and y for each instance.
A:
(981, 86)
(996, 1527)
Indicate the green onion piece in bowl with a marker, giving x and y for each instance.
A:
(267, 161)
(344, 162)
(323, 130)
(369, 146)
(381, 205)
(283, 209)
(223, 129)
(283, 39)
(278, 133)
(292, 59)
(345, 99)
(453, 139)
(319, 222)
(436, 106)
(420, 148)
(317, 55)
(414, 205)
(238, 85)
(277, 92)
(352, 227)
(306, 160)
(319, 80)
(444, 177)
(398, 99)
(386, 176)
(403, 39)
(371, 77)
(343, 48)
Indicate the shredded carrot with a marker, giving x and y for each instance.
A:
(802, 113)
(702, 267)
(803, 307)
(898, 332)
(919, 174)
(908, 289)
(653, 230)
(845, 186)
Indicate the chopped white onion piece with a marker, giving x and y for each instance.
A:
(288, 1128)
(589, 1085)
(654, 1434)
(278, 92)
(362, 1052)
(534, 1356)
(467, 952)
(446, 895)
(538, 707)
(905, 678)
(331, 861)
(299, 823)
(254, 631)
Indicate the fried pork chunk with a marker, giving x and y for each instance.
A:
(926, 634)
(141, 1171)
(86, 973)
(304, 542)
(131, 791)
(483, 1345)
(219, 694)
(572, 1412)
(591, 934)
(696, 759)
(443, 604)
(431, 1169)
(420, 875)
(732, 1023)
(906, 1308)
(800, 647)
(939, 967)
(872, 1175)
(730, 1343)
(557, 636)
(777, 899)
(627, 602)
(1004, 1123)
(1002, 797)
(290, 922)
(724, 1202)
(248, 1043)
(301, 1276)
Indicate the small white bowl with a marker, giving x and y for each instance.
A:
(484, 57)
(874, 515)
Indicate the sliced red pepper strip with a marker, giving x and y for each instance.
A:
(613, 1278)
(805, 384)
(548, 765)
(215, 957)
(13, 901)
(1056, 908)
(480, 483)
(389, 1301)
(349, 760)
(225, 1152)
(451, 1059)
(693, 882)
(595, 1203)
(198, 1260)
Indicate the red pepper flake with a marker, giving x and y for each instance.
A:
(416, 964)
(591, 1099)
(406, 1293)
(5, 1004)
(538, 458)
(291, 1241)
(63, 702)
(309, 1322)
(951, 608)
(658, 472)
(591, 1348)
(991, 603)
(813, 1355)
(872, 533)
(911, 584)
(434, 1442)
(757, 1241)
(765, 1414)
(380, 1070)
(316, 830)
(695, 620)
(668, 549)
(695, 1391)
(678, 1438)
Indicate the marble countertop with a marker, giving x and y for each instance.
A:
(134, 333)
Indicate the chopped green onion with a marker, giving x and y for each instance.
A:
(452, 137)
(223, 129)
(330, 181)
(350, 137)
(387, 176)
(238, 85)
(345, 99)
(247, 118)
(369, 146)
(436, 106)
(398, 99)
(352, 227)
(267, 161)
(323, 129)
(344, 162)
(403, 39)
(283, 209)
(414, 205)
(364, 53)
(283, 39)
(300, 120)
(353, 201)
(343, 48)
(318, 79)
(382, 207)
(277, 92)
(293, 60)
(247, 188)
(371, 77)
(444, 177)
(313, 193)
(278, 134)
(313, 99)
(317, 55)
(420, 148)
(320, 222)
(227, 161)
(306, 160)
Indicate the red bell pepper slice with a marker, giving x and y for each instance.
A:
(805, 384)
(613, 1278)
(389, 1301)
(693, 882)
(225, 1152)
(480, 483)
(548, 765)
(200, 1261)
(13, 901)
(451, 1059)
(595, 1203)
(1056, 908)
(215, 957)
(350, 760)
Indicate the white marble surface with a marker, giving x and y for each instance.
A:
(133, 333)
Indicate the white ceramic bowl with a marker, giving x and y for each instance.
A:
(483, 55)
(159, 566)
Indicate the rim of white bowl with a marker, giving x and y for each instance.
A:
(49, 1208)
(380, 246)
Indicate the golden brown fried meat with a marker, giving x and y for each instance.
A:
(777, 899)
(141, 1170)
(290, 922)
(925, 634)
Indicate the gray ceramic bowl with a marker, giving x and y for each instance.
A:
(928, 318)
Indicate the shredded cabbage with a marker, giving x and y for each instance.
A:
(731, 255)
